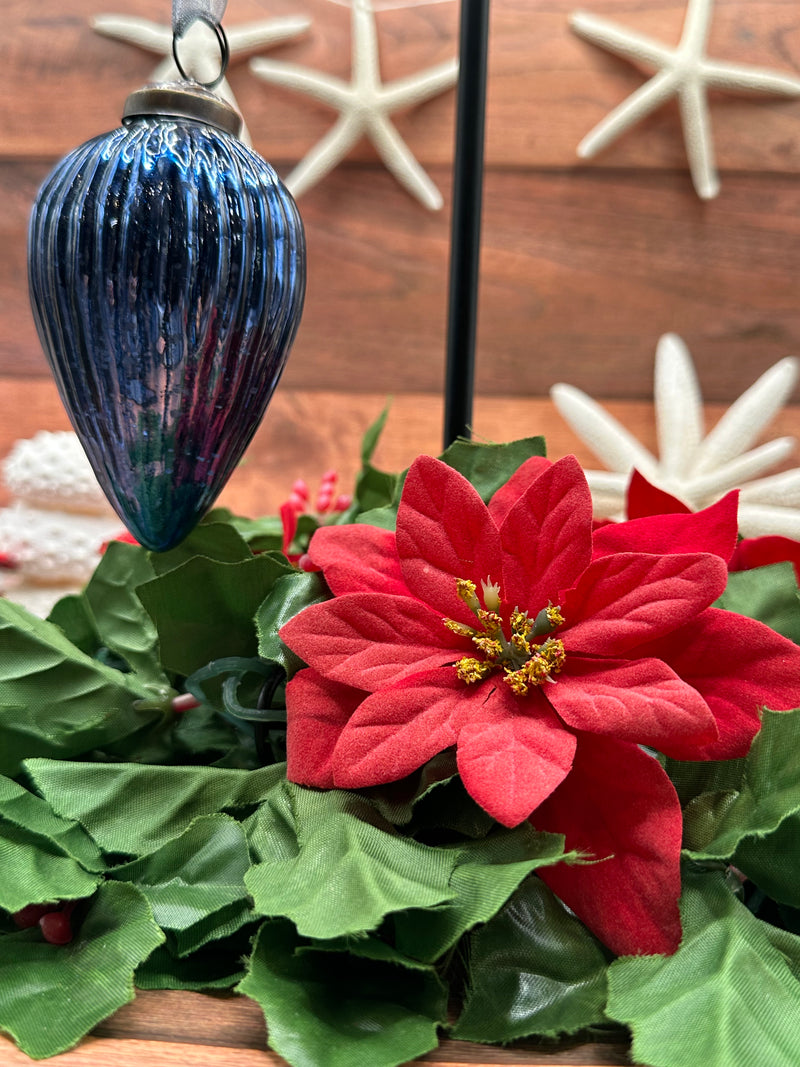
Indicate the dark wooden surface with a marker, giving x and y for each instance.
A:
(584, 264)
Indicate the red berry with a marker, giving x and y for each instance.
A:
(55, 927)
(342, 502)
(30, 915)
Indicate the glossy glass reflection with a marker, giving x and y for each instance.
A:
(167, 275)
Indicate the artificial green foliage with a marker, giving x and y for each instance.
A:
(769, 792)
(347, 873)
(34, 871)
(727, 998)
(53, 994)
(355, 919)
(195, 882)
(488, 466)
(532, 969)
(768, 594)
(339, 1010)
(120, 622)
(55, 700)
(204, 609)
(134, 810)
(485, 874)
(290, 594)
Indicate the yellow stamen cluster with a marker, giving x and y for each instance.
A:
(524, 660)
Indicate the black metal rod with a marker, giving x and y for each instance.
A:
(465, 244)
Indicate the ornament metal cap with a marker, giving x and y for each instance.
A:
(186, 100)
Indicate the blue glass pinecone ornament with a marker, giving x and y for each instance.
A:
(167, 275)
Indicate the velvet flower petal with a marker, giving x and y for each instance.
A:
(444, 533)
(517, 485)
(368, 640)
(546, 536)
(714, 529)
(626, 599)
(643, 701)
(618, 807)
(396, 730)
(532, 754)
(321, 708)
(739, 666)
(358, 559)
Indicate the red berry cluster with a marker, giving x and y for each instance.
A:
(53, 920)
(327, 504)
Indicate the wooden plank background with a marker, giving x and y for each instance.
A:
(584, 264)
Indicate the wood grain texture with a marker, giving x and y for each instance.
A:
(177, 1029)
(547, 87)
(581, 273)
(584, 265)
(308, 432)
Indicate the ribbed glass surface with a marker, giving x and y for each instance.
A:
(167, 275)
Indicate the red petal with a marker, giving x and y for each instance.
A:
(444, 532)
(515, 757)
(739, 666)
(317, 710)
(626, 599)
(641, 701)
(712, 530)
(617, 802)
(646, 499)
(398, 729)
(761, 551)
(358, 558)
(369, 640)
(517, 485)
(547, 537)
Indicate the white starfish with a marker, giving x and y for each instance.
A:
(685, 72)
(199, 49)
(696, 468)
(364, 104)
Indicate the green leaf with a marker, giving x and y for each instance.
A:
(219, 965)
(42, 856)
(369, 441)
(33, 872)
(768, 594)
(692, 779)
(193, 881)
(118, 616)
(52, 995)
(343, 855)
(20, 808)
(71, 614)
(262, 534)
(770, 791)
(333, 1010)
(488, 466)
(204, 609)
(485, 874)
(134, 810)
(532, 969)
(219, 541)
(56, 700)
(772, 861)
(290, 594)
(726, 998)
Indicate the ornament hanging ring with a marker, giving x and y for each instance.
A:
(225, 53)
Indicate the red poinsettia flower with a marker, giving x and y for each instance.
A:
(646, 501)
(493, 629)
